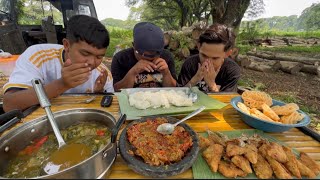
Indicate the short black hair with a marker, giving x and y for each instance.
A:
(217, 34)
(88, 29)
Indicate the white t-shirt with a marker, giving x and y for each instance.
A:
(44, 61)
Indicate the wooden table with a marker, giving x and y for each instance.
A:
(219, 120)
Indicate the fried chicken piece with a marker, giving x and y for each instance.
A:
(304, 170)
(213, 156)
(233, 150)
(309, 162)
(275, 151)
(262, 168)
(204, 142)
(291, 164)
(242, 163)
(263, 150)
(229, 170)
(251, 153)
(217, 138)
(279, 170)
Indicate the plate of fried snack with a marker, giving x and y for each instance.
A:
(259, 110)
(250, 154)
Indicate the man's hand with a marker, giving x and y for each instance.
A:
(210, 76)
(162, 65)
(73, 75)
(144, 65)
(101, 81)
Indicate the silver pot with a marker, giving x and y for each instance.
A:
(97, 166)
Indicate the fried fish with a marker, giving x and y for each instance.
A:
(262, 168)
(242, 163)
(291, 164)
(229, 170)
(213, 156)
(309, 162)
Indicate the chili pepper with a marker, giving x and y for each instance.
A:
(100, 132)
(41, 141)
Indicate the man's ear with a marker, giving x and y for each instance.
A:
(66, 44)
(228, 53)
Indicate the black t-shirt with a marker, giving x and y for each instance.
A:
(124, 60)
(227, 77)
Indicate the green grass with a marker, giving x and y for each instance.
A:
(304, 34)
(246, 82)
(118, 36)
(290, 97)
(297, 49)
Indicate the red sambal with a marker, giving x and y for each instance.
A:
(155, 148)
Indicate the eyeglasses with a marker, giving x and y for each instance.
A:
(156, 54)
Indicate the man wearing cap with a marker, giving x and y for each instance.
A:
(147, 63)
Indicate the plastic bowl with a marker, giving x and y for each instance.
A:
(268, 126)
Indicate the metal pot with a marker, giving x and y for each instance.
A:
(138, 165)
(97, 166)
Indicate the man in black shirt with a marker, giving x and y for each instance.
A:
(146, 64)
(211, 70)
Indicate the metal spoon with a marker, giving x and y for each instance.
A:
(192, 95)
(168, 128)
(45, 103)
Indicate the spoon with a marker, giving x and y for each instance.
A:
(192, 95)
(45, 103)
(168, 128)
(66, 155)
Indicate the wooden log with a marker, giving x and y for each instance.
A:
(167, 38)
(243, 61)
(195, 34)
(174, 44)
(291, 67)
(276, 66)
(260, 67)
(304, 60)
(310, 69)
(185, 52)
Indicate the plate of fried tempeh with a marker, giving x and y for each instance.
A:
(250, 154)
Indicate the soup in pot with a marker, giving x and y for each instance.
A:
(31, 161)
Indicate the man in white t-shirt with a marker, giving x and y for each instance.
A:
(74, 67)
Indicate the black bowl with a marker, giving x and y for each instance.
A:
(138, 165)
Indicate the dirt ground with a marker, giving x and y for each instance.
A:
(303, 89)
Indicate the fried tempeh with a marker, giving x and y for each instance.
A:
(305, 171)
(279, 170)
(310, 163)
(262, 168)
(213, 156)
(291, 164)
(242, 163)
(275, 151)
(229, 170)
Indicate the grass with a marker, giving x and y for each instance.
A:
(118, 36)
(290, 97)
(246, 82)
(302, 34)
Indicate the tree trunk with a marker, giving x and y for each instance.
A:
(304, 60)
(260, 67)
(291, 67)
(310, 69)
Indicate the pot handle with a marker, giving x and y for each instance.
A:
(4, 118)
(115, 130)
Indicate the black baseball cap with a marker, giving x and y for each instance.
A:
(148, 37)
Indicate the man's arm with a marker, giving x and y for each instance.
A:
(127, 81)
(22, 99)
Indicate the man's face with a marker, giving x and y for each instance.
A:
(214, 53)
(82, 52)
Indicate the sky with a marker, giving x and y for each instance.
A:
(116, 8)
